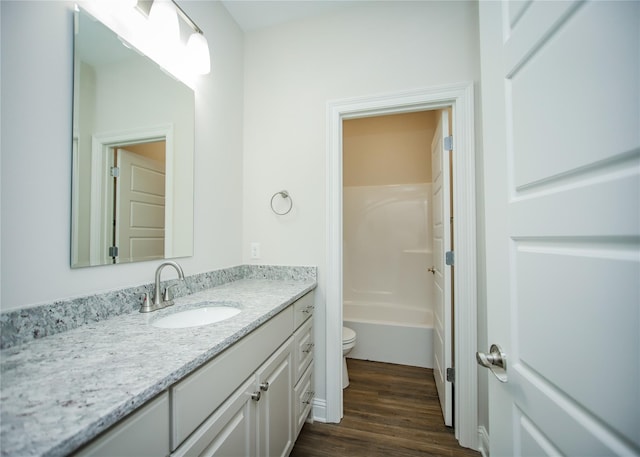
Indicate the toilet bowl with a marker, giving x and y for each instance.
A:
(348, 342)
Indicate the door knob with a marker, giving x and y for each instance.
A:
(432, 270)
(496, 361)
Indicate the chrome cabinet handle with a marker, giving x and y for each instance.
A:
(308, 348)
(308, 309)
(432, 270)
(256, 396)
(264, 386)
(496, 361)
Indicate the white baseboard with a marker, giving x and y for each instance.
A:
(319, 410)
(484, 441)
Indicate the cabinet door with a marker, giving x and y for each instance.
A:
(201, 393)
(275, 408)
(230, 431)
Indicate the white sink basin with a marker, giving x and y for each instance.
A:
(204, 315)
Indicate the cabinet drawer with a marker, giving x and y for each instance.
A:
(303, 347)
(197, 396)
(303, 309)
(303, 394)
(131, 435)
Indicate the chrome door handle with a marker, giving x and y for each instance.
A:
(496, 361)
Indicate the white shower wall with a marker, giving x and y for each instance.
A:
(388, 245)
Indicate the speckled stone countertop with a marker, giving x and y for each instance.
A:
(59, 392)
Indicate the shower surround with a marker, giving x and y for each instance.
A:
(388, 290)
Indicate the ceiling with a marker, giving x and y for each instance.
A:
(256, 14)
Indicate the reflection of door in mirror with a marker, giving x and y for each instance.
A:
(139, 201)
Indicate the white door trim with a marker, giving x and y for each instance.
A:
(100, 143)
(460, 98)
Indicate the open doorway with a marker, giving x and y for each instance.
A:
(397, 286)
(460, 99)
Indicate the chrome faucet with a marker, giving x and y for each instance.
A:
(166, 299)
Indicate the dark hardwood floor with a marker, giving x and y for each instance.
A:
(389, 410)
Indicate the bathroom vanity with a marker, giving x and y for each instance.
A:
(242, 386)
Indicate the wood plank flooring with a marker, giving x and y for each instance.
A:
(389, 410)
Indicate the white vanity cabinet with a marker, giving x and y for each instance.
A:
(262, 416)
(250, 400)
(197, 396)
(257, 420)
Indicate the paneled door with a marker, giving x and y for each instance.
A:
(140, 207)
(561, 116)
(441, 271)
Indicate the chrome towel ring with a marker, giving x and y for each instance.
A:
(285, 195)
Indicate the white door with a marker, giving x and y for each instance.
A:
(561, 116)
(140, 205)
(442, 271)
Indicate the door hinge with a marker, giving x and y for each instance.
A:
(448, 258)
(113, 251)
(451, 375)
(448, 143)
(115, 172)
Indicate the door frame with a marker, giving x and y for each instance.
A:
(99, 217)
(460, 98)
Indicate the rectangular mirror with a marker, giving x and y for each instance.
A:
(133, 135)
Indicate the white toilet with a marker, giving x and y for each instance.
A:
(348, 342)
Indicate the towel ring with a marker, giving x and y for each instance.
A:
(283, 194)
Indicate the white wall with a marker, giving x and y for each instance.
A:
(36, 66)
(293, 70)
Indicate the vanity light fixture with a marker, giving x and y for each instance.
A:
(198, 53)
(197, 46)
(163, 17)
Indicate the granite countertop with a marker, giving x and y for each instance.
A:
(59, 392)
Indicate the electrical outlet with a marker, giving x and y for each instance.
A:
(255, 250)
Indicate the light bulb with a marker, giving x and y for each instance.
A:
(164, 20)
(198, 53)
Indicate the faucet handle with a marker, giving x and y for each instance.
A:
(166, 296)
(146, 304)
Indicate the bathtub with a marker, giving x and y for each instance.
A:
(390, 333)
